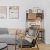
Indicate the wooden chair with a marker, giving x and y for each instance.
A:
(32, 48)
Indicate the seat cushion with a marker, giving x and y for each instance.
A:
(25, 44)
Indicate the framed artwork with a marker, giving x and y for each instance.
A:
(39, 11)
(3, 12)
(13, 12)
(35, 9)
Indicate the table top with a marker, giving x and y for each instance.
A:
(3, 45)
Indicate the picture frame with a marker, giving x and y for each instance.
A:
(39, 11)
(3, 12)
(35, 9)
(13, 12)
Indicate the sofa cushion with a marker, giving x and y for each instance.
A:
(12, 31)
(3, 31)
(25, 44)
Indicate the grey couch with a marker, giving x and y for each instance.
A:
(6, 37)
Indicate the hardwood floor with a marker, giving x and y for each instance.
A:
(42, 46)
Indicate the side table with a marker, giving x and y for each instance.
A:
(3, 46)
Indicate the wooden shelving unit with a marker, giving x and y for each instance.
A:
(34, 17)
(36, 21)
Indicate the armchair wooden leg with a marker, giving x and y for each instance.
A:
(15, 46)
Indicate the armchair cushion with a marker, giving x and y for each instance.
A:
(25, 43)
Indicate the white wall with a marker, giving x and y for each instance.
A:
(23, 6)
(46, 7)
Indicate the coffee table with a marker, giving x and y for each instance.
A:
(3, 46)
